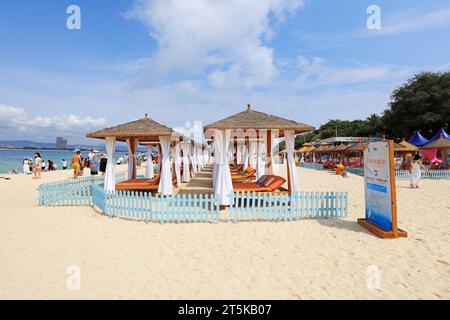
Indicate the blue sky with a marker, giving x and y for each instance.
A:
(199, 60)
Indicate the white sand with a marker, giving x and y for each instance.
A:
(286, 260)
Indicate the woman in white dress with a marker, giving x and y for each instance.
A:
(415, 172)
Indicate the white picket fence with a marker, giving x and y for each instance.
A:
(287, 207)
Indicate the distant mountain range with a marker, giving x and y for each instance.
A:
(28, 144)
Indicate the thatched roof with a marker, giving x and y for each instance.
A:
(440, 143)
(330, 148)
(252, 119)
(307, 147)
(399, 148)
(145, 129)
(408, 146)
(321, 147)
(341, 147)
(356, 147)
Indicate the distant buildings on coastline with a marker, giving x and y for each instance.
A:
(61, 143)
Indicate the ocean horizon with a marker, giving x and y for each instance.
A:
(13, 158)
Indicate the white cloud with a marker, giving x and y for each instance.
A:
(14, 118)
(223, 38)
(318, 72)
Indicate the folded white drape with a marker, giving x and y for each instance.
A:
(200, 158)
(186, 148)
(177, 162)
(194, 160)
(223, 185)
(252, 157)
(260, 166)
(245, 155)
(149, 171)
(165, 183)
(110, 175)
(289, 136)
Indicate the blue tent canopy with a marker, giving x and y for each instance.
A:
(418, 140)
(438, 135)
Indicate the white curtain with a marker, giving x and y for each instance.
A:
(289, 135)
(177, 161)
(200, 158)
(186, 148)
(132, 144)
(273, 136)
(110, 175)
(260, 166)
(194, 160)
(246, 158)
(149, 171)
(223, 185)
(239, 152)
(253, 154)
(165, 183)
(205, 157)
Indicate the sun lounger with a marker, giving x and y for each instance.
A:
(271, 183)
(236, 168)
(140, 184)
(248, 174)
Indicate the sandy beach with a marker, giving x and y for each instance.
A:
(309, 259)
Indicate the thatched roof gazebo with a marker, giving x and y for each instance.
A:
(255, 120)
(253, 124)
(144, 131)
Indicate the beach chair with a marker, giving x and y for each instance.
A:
(140, 184)
(268, 183)
(247, 175)
(236, 168)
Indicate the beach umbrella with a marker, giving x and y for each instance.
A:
(399, 148)
(418, 140)
(408, 146)
(440, 143)
(442, 132)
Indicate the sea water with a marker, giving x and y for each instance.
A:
(13, 158)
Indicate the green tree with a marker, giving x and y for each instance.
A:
(422, 103)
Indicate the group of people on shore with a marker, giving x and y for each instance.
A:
(77, 163)
(96, 164)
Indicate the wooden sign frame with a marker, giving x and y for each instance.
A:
(396, 232)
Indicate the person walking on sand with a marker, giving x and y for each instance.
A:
(76, 164)
(415, 172)
(37, 166)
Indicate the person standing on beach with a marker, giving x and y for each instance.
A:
(91, 155)
(76, 164)
(93, 165)
(64, 164)
(415, 172)
(37, 166)
(103, 162)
